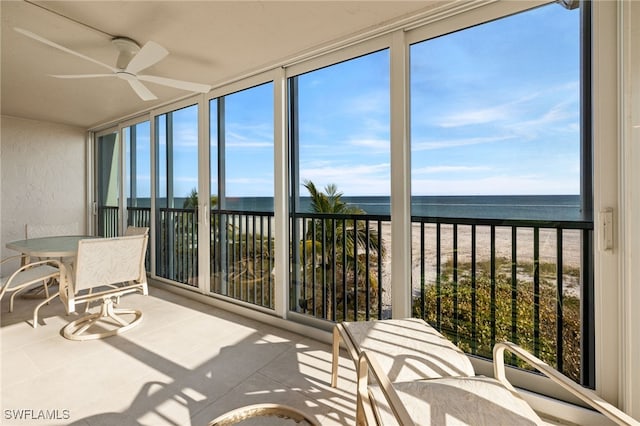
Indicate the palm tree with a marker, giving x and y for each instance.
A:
(340, 245)
(191, 202)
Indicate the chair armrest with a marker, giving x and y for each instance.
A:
(17, 256)
(52, 262)
(584, 394)
(368, 363)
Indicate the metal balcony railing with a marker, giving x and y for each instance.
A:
(479, 281)
(242, 256)
(337, 266)
(108, 217)
(177, 245)
(483, 281)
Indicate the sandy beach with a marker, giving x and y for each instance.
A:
(503, 247)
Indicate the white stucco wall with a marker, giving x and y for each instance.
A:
(42, 176)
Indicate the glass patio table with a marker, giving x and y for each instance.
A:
(63, 248)
(48, 247)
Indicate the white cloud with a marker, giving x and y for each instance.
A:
(450, 143)
(476, 116)
(237, 139)
(350, 179)
(378, 145)
(517, 109)
(449, 169)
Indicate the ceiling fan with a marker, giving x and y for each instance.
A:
(131, 60)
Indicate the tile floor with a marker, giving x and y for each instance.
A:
(185, 364)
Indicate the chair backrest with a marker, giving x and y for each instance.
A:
(134, 230)
(105, 261)
(38, 230)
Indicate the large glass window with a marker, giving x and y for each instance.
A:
(137, 145)
(107, 171)
(340, 145)
(496, 168)
(176, 195)
(242, 173)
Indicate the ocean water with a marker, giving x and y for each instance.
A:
(532, 207)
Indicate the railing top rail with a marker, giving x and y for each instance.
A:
(520, 223)
(523, 223)
(243, 212)
(356, 216)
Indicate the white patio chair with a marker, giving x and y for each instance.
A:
(28, 276)
(100, 264)
(38, 230)
(476, 400)
(136, 230)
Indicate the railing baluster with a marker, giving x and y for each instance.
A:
(367, 283)
(345, 298)
(334, 278)
(456, 314)
(314, 261)
(536, 291)
(514, 284)
(559, 302)
(514, 288)
(493, 285)
(323, 230)
(438, 278)
(380, 269)
(423, 295)
(474, 317)
(355, 272)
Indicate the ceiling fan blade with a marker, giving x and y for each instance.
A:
(144, 93)
(150, 54)
(83, 75)
(64, 49)
(178, 84)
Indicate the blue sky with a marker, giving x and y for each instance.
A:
(494, 111)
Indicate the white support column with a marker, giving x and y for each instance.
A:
(281, 196)
(606, 170)
(629, 373)
(204, 197)
(400, 179)
(90, 216)
(154, 179)
(122, 185)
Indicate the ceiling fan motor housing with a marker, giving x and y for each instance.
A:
(128, 49)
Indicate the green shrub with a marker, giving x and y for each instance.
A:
(499, 316)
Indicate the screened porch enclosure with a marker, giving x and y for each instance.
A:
(213, 177)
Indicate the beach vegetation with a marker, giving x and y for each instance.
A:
(332, 248)
(476, 312)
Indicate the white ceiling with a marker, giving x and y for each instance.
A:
(209, 42)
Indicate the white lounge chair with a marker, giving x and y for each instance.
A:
(437, 399)
(407, 349)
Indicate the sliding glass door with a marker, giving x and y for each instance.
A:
(176, 195)
(107, 183)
